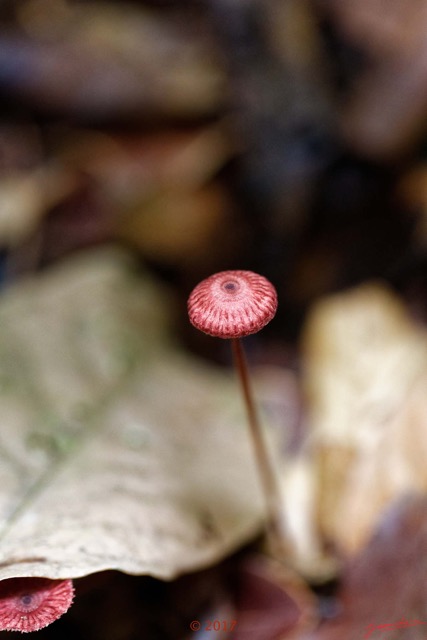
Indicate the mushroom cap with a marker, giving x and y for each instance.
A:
(232, 304)
(29, 604)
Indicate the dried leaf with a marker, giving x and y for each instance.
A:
(384, 587)
(161, 187)
(272, 603)
(177, 226)
(118, 452)
(366, 375)
(25, 197)
(376, 121)
(109, 60)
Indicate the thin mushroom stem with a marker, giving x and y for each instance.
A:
(231, 305)
(268, 479)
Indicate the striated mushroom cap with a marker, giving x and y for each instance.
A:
(29, 604)
(232, 304)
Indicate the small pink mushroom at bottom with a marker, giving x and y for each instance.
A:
(30, 604)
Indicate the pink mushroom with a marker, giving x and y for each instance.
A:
(29, 604)
(235, 304)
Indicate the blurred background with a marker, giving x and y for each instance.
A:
(283, 136)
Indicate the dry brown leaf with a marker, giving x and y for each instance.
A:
(117, 451)
(113, 61)
(365, 376)
(378, 119)
(177, 226)
(25, 197)
(162, 187)
(398, 31)
(383, 591)
(271, 603)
